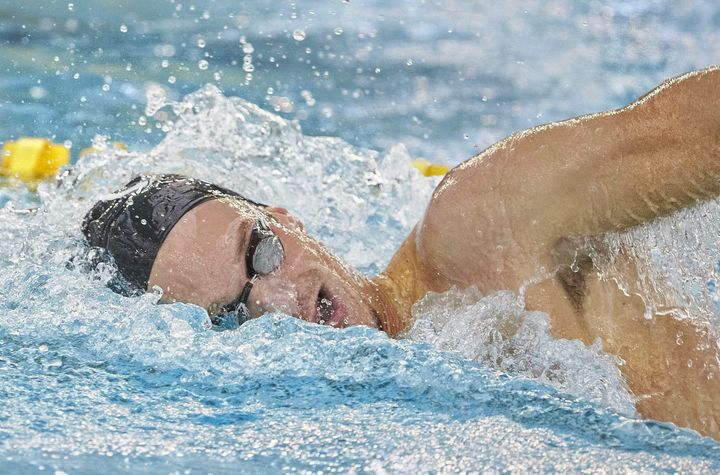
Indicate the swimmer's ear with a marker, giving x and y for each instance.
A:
(286, 218)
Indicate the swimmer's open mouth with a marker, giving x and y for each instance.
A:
(329, 310)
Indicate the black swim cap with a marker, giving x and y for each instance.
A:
(133, 225)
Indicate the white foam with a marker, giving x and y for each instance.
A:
(499, 333)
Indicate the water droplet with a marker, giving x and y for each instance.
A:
(409, 62)
(71, 7)
(309, 99)
(338, 31)
(37, 92)
(466, 136)
(690, 363)
(298, 35)
(203, 65)
(76, 75)
(123, 28)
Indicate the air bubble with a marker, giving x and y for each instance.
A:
(338, 31)
(123, 28)
(71, 7)
(172, 79)
(203, 65)
(298, 35)
(106, 87)
(201, 43)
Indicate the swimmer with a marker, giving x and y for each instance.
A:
(509, 218)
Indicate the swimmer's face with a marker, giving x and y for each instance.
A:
(202, 261)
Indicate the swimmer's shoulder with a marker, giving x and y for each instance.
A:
(470, 235)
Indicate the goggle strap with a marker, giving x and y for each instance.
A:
(242, 313)
(244, 296)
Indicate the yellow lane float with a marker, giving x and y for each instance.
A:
(430, 169)
(32, 159)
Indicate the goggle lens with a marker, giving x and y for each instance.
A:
(264, 255)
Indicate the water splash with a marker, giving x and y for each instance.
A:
(498, 332)
(675, 263)
(361, 202)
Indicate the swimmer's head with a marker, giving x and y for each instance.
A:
(134, 223)
(194, 239)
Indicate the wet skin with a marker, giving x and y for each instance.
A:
(508, 219)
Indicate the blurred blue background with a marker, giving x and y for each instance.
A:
(446, 78)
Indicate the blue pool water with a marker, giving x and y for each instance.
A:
(90, 379)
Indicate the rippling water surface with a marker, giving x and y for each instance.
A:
(92, 379)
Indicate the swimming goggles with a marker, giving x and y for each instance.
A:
(264, 255)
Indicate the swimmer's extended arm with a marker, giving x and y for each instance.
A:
(659, 154)
(592, 174)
